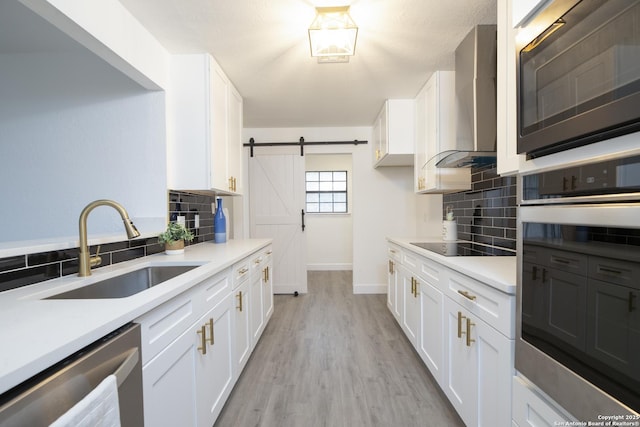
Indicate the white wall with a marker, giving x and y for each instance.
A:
(330, 236)
(384, 203)
(73, 130)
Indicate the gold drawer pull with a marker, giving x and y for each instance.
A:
(239, 301)
(203, 339)
(242, 270)
(460, 317)
(469, 325)
(467, 295)
(211, 341)
(257, 260)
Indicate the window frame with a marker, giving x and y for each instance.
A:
(326, 192)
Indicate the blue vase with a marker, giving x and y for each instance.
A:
(219, 224)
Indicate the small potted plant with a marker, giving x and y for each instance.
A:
(174, 237)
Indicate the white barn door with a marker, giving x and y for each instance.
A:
(276, 203)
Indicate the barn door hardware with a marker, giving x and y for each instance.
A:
(301, 142)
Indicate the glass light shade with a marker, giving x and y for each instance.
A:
(333, 32)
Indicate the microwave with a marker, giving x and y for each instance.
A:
(578, 75)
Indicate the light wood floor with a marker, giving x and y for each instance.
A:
(331, 358)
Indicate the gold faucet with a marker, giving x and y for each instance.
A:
(86, 261)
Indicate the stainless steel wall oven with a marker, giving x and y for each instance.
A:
(578, 316)
(578, 74)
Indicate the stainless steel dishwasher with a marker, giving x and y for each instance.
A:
(42, 399)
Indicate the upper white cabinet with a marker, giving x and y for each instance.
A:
(205, 126)
(392, 139)
(435, 132)
(508, 158)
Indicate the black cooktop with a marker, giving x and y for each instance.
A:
(464, 249)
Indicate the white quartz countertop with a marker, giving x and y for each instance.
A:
(498, 272)
(36, 333)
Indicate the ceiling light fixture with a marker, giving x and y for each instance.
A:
(332, 34)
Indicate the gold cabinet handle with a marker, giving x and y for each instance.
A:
(230, 183)
(460, 317)
(239, 301)
(203, 339)
(413, 285)
(467, 295)
(391, 267)
(257, 260)
(242, 271)
(415, 288)
(269, 252)
(235, 184)
(211, 339)
(469, 325)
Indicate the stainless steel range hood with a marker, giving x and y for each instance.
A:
(475, 101)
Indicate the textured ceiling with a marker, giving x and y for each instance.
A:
(263, 47)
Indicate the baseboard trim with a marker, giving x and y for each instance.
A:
(369, 289)
(329, 267)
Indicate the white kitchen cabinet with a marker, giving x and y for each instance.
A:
(392, 134)
(393, 287)
(479, 368)
(440, 309)
(198, 343)
(198, 364)
(267, 284)
(410, 310)
(508, 160)
(242, 326)
(430, 342)
(435, 133)
(216, 365)
(257, 295)
(205, 116)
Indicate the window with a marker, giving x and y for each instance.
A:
(326, 191)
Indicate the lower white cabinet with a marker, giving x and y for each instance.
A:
(478, 366)
(189, 381)
(195, 346)
(410, 304)
(256, 305)
(242, 326)
(462, 329)
(431, 342)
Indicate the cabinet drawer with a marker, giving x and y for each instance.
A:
(212, 290)
(394, 252)
(613, 271)
(429, 271)
(165, 323)
(241, 271)
(256, 262)
(162, 325)
(494, 307)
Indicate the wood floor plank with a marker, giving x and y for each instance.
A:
(331, 358)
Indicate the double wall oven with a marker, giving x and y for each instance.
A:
(578, 316)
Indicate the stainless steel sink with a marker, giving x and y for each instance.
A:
(126, 284)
